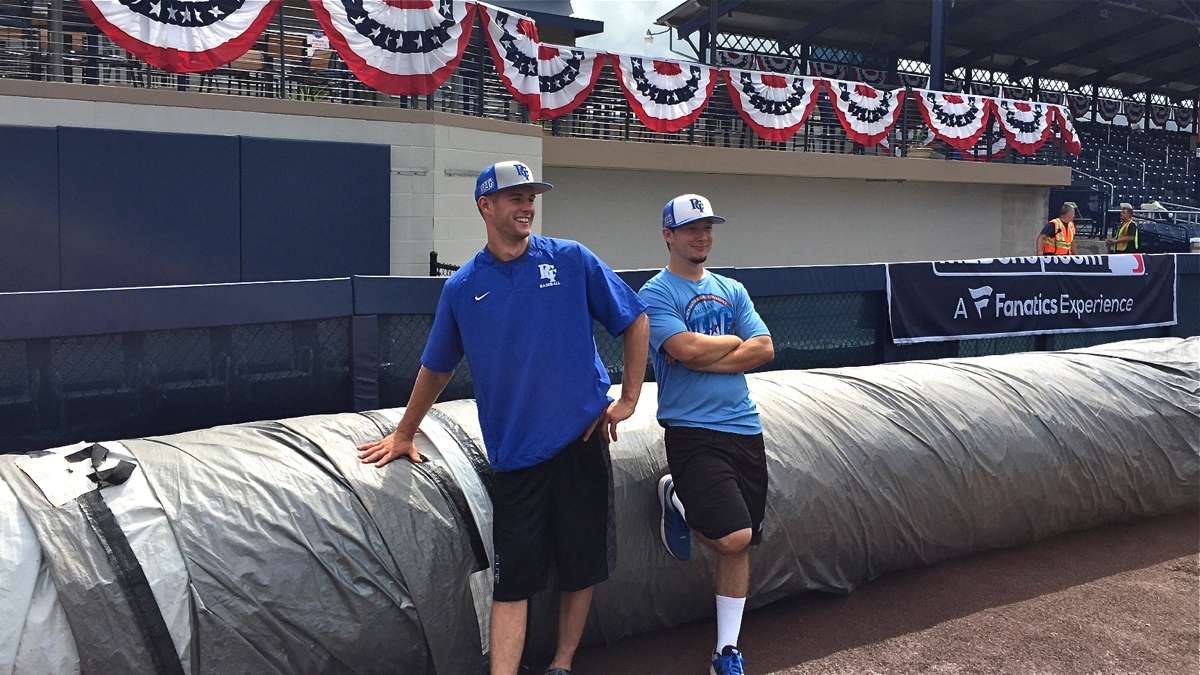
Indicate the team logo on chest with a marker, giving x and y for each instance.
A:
(549, 275)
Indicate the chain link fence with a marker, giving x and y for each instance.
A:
(60, 390)
(56, 391)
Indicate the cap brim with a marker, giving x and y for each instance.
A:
(717, 220)
(538, 187)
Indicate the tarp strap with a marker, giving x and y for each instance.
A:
(474, 455)
(445, 483)
(130, 576)
(106, 477)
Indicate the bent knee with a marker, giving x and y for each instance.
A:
(734, 542)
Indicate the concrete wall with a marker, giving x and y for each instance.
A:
(785, 208)
(776, 220)
(434, 158)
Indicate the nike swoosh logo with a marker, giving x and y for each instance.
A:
(480, 297)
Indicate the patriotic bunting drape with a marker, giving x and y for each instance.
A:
(775, 106)
(986, 89)
(871, 76)
(411, 47)
(778, 64)
(732, 59)
(1014, 93)
(665, 95)
(826, 70)
(1108, 109)
(513, 41)
(1079, 105)
(997, 151)
(567, 76)
(183, 36)
(1184, 117)
(1134, 112)
(1159, 114)
(549, 80)
(398, 46)
(1025, 123)
(867, 114)
(1066, 128)
(957, 119)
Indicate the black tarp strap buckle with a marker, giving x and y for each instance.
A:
(103, 477)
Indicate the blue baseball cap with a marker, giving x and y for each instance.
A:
(505, 175)
(685, 209)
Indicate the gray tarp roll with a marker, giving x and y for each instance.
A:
(300, 559)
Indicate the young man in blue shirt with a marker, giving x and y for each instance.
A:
(521, 311)
(704, 335)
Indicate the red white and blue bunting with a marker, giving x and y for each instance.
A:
(398, 46)
(731, 59)
(1134, 112)
(1159, 114)
(1184, 117)
(665, 95)
(1026, 123)
(867, 114)
(411, 47)
(775, 106)
(778, 64)
(1066, 129)
(998, 150)
(1109, 109)
(513, 42)
(183, 36)
(1079, 104)
(956, 119)
(567, 75)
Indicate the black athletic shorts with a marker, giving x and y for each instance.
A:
(557, 510)
(721, 478)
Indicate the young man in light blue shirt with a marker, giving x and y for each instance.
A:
(521, 311)
(704, 335)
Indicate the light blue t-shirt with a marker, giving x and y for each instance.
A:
(714, 305)
(525, 327)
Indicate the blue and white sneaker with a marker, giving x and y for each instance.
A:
(728, 662)
(674, 529)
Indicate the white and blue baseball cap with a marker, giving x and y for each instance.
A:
(685, 209)
(504, 175)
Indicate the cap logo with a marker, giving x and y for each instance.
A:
(522, 171)
(487, 185)
(698, 205)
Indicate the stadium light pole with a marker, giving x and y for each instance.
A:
(937, 45)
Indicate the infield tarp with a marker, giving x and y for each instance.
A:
(269, 548)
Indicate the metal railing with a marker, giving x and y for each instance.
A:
(292, 60)
(440, 269)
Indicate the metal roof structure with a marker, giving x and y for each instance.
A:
(1135, 45)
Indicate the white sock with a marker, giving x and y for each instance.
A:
(729, 621)
(678, 505)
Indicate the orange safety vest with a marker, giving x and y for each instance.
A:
(1123, 246)
(1064, 234)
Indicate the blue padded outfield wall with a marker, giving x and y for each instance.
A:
(312, 210)
(125, 363)
(99, 208)
(147, 209)
(28, 209)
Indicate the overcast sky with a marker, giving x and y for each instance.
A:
(625, 24)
